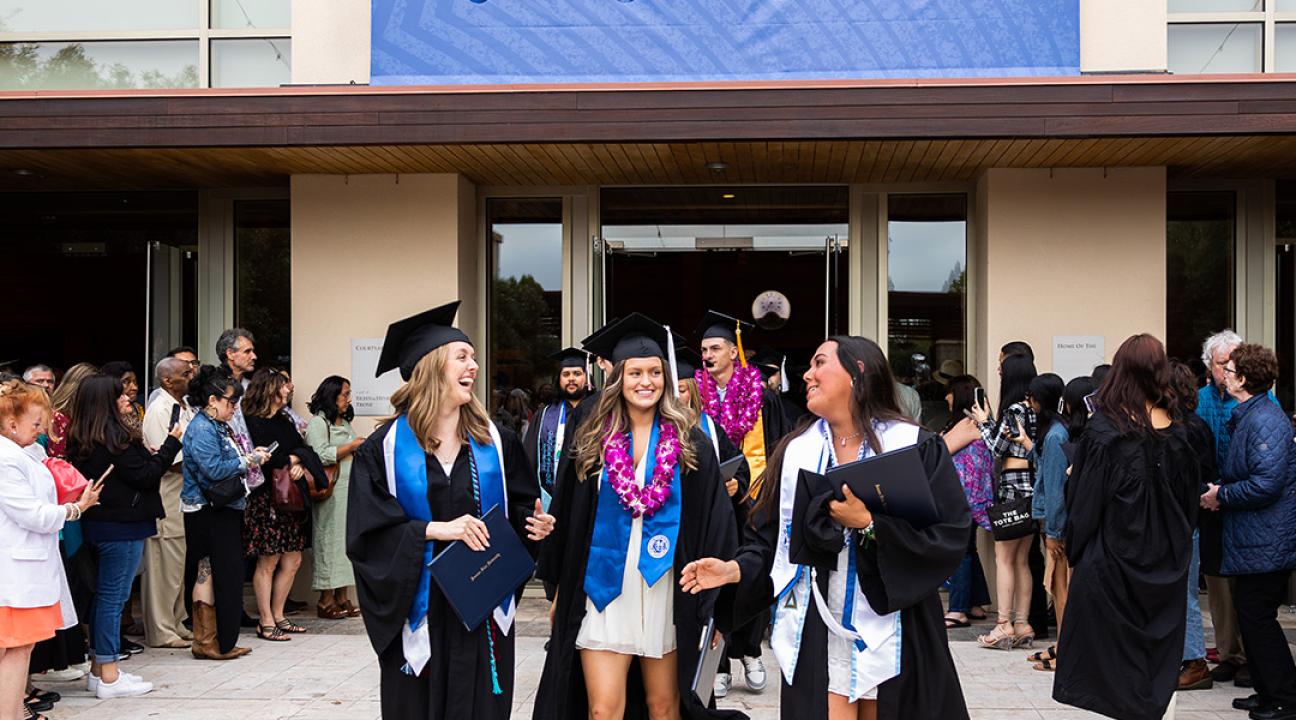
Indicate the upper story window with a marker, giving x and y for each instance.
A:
(90, 44)
(1231, 36)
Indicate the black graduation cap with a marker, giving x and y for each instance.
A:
(719, 325)
(410, 339)
(636, 335)
(570, 358)
(769, 361)
(687, 363)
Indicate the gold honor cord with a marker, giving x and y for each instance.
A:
(742, 356)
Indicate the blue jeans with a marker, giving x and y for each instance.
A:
(968, 585)
(1194, 636)
(118, 561)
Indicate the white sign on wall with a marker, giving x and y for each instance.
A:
(370, 396)
(1077, 355)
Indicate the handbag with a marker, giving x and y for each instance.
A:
(67, 480)
(318, 493)
(223, 492)
(1011, 520)
(287, 496)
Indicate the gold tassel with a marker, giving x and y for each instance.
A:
(742, 356)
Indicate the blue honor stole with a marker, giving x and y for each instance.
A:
(605, 570)
(488, 486)
(549, 445)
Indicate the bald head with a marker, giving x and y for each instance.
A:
(173, 374)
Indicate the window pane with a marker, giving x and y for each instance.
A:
(1216, 6)
(263, 277)
(263, 62)
(234, 14)
(1199, 270)
(1285, 47)
(1285, 5)
(98, 65)
(927, 294)
(525, 305)
(91, 15)
(1215, 48)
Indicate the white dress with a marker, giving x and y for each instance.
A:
(640, 621)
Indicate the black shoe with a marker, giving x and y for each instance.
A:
(292, 607)
(188, 623)
(40, 705)
(247, 621)
(1224, 671)
(1250, 702)
(1274, 712)
(131, 647)
(1243, 677)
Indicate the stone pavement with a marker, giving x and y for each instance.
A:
(330, 674)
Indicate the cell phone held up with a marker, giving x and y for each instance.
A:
(980, 397)
(175, 417)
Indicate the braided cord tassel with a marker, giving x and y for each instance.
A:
(490, 623)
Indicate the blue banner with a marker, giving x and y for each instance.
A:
(439, 42)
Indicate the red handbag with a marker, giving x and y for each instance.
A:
(68, 480)
(287, 496)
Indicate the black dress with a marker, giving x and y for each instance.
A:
(901, 571)
(1131, 503)
(266, 529)
(707, 529)
(386, 548)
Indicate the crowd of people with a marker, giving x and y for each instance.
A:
(670, 502)
(170, 503)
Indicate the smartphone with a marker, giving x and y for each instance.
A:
(1091, 402)
(175, 417)
(980, 397)
(273, 446)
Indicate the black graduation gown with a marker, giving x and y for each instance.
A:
(1131, 504)
(901, 571)
(386, 549)
(774, 419)
(744, 640)
(707, 529)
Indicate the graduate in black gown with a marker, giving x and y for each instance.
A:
(418, 483)
(873, 643)
(687, 363)
(625, 638)
(549, 430)
(1132, 502)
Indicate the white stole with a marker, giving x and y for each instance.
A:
(794, 585)
(417, 644)
(709, 427)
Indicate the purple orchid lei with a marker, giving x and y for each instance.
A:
(646, 500)
(738, 411)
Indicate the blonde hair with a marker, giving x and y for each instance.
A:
(610, 418)
(420, 401)
(72, 379)
(17, 398)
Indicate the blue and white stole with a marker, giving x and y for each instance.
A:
(605, 570)
(549, 447)
(796, 588)
(709, 428)
(406, 466)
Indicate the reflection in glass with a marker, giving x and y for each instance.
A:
(1199, 270)
(1285, 5)
(927, 295)
(1201, 6)
(238, 14)
(1194, 49)
(263, 277)
(260, 62)
(525, 305)
(49, 16)
(1285, 47)
(99, 65)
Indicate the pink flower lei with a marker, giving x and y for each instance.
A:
(617, 460)
(738, 411)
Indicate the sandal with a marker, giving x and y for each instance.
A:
(38, 695)
(288, 627)
(330, 612)
(32, 714)
(351, 610)
(977, 614)
(1049, 654)
(997, 639)
(270, 632)
(1023, 639)
(951, 623)
(1045, 665)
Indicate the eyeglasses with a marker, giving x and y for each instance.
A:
(1230, 371)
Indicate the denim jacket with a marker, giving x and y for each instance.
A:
(1049, 501)
(209, 457)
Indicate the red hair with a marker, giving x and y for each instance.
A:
(1140, 375)
(17, 399)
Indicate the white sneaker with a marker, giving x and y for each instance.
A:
(722, 682)
(74, 672)
(754, 669)
(127, 685)
(93, 682)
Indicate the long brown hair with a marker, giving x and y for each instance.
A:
(263, 392)
(72, 379)
(610, 418)
(420, 401)
(96, 419)
(872, 399)
(1140, 375)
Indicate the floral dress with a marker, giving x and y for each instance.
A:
(975, 468)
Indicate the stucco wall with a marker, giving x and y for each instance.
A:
(330, 42)
(1122, 36)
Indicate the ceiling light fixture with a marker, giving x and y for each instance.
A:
(728, 196)
(717, 166)
(23, 172)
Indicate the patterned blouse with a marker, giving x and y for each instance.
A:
(975, 468)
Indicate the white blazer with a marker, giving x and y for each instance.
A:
(31, 566)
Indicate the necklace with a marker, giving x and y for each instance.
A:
(647, 500)
(847, 438)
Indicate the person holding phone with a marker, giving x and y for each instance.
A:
(129, 509)
(975, 467)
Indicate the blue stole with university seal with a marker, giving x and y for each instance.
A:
(611, 537)
(549, 444)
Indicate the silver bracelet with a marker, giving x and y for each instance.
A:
(74, 511)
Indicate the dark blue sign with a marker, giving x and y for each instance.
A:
(437, 42)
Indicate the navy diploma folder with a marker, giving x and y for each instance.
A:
(893, 483)
(476, 583)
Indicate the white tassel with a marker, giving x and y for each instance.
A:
(670, 355)
(783, 378)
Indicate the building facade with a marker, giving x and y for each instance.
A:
(941, 176)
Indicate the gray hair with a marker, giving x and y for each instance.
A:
(27, 374)
(1225, 338)
(168, 367)
(228, 340)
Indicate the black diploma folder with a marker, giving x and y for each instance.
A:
(729, 467)
(708, 663)
(893, 483)
(476, 583)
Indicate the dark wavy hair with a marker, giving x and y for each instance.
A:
(96, 419)
(873, 398)
(1075, 413)
(211, 380)
(1183, 383)
(324, 401)
(263, 392)
(963, 388)
(1046, 390)
(1140, 375)
(1257, 364)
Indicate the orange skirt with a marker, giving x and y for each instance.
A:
(28, 626)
